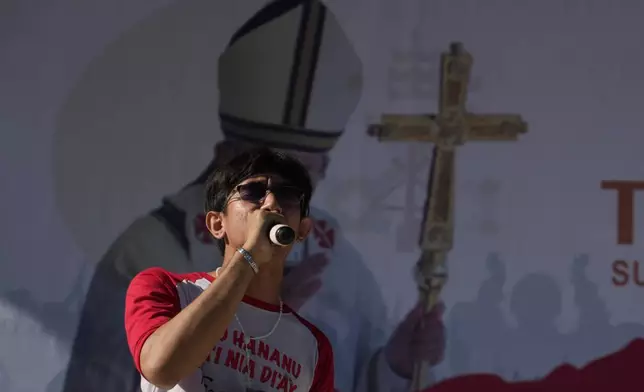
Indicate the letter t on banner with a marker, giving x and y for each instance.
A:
(625, 206)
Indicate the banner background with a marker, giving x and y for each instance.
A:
(108, 106)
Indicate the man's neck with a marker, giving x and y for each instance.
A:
(266, 285)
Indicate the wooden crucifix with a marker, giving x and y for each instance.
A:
(450, 128)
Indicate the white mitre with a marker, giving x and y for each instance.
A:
(289, 78)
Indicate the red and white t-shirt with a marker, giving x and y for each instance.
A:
(296, 357)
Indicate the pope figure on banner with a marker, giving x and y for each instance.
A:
(289, 79)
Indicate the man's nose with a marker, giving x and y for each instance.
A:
(271, 204)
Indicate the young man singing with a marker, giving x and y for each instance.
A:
(228, 329)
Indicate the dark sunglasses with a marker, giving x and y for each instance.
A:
(256, 191)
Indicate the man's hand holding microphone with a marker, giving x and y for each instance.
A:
(268, 236)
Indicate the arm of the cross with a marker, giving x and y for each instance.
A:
(495, 127)
(456, 66)
(403, 127)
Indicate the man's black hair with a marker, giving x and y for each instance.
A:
(251, 163)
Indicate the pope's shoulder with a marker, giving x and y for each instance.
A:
(146, 242)
(145, 227)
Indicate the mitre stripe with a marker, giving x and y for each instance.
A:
(278, 136)
(306, 52)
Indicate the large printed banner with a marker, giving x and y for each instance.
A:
(112, 113)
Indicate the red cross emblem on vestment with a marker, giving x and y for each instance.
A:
(324, 235)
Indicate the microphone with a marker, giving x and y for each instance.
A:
(281, 235)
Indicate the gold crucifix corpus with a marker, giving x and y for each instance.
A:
(451, 127)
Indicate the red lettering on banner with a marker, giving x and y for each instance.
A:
(636, 273)
(625, 206)
(625, 272)
(225, 335)
(620, 269)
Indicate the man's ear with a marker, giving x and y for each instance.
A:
(215, 224)
(306, 224)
